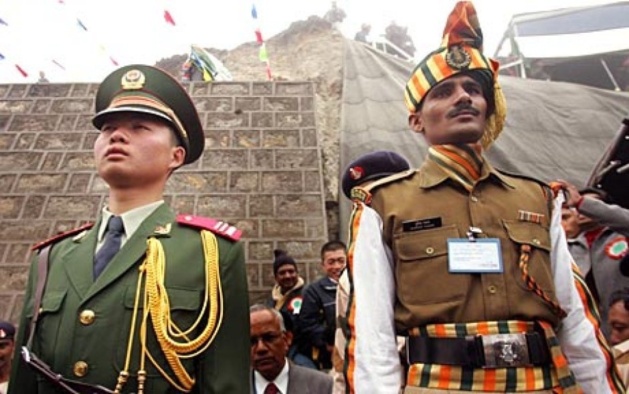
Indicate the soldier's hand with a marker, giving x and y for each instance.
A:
(572, 193)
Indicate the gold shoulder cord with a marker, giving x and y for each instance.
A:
(174, 342)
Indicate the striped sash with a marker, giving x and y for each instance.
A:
(557, 377)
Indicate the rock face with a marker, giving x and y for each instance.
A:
(310, 50)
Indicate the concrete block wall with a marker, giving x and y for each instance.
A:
(261, 171)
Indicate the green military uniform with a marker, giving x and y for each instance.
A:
(168, 313)
(84, 324)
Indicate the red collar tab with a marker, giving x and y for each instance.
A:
(218, 227)
(60, 236)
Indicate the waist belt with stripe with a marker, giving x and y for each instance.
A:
(488, 356)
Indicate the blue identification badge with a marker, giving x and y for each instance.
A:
(474, 255)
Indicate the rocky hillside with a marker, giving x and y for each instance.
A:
(310, 50)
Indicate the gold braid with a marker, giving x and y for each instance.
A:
(167, 333)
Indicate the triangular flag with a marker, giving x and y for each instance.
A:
(58, 64)
(168, 18)
(2, 22)
(1, 56)
(81, 25)
(259, 36)
(21, 70)
(263, 55)
(254, 12)
(113, 61)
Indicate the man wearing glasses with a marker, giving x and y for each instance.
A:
(271, 372)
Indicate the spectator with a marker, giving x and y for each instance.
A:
(600, 244)
(363, 34)
(7, 345)
(317, 320)
(42, 78)
(618, 320)
(364, 170)
(335, 15)
(458, 250)
(399, 36)
(286, 297)
(272, 372)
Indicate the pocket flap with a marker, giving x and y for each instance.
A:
(528, 233)
(425, 244)
(52, 301)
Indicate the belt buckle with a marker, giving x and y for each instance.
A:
(505, 350)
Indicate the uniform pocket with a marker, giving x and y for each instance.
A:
(50, 318)
(184, 306)
(422, 269)
(538, 238)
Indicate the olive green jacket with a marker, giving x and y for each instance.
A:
(64, 337)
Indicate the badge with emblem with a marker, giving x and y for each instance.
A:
(617, 248)
(294, 306)
(163, 230)
(356, 172)
(458, 58)
(3, 334)
(133, 80)
(360, 195)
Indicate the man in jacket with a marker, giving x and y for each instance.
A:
(144, 301)
(470, 264)
(271, 371)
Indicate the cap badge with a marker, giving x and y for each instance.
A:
(356, 172)
(3, 334)
(133, 80)
(457, 57)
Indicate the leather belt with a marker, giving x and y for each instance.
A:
(480, 351)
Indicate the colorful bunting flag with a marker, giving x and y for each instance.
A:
(21, 70)
(1, 56)
(168, 18)
(2, 22)
(81, 25)
(263, 55)
(56, 63)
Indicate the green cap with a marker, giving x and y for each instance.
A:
(149, 90)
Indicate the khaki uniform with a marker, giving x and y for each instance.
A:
(426, 292)
(84, 325)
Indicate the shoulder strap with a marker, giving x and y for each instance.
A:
(218, 227)
(389, 179)
(42, 276)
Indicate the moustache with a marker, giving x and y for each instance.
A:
(459, 109)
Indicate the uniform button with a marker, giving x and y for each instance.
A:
(474, 199)
(491, 289)
(87, 317)
(430, 250)
(536, 241)
(80, 369)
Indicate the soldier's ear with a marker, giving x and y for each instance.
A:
(415, 122)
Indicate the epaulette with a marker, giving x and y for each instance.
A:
(218, 227)
(389, 179)
(60, 236)
(549, 191)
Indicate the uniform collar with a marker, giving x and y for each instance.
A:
(431, 175)
(131, 219)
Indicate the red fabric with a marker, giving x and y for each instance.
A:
(591, 236)
(168, 18)
(271, 389)
(259, 36)
(21, 70)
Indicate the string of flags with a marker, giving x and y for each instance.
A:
(214, 70)
(263, 54)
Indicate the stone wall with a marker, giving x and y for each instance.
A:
(261, 171)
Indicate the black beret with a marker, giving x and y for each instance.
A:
(7, 330)
(281, 258)
(370, 167)
(150, 90)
